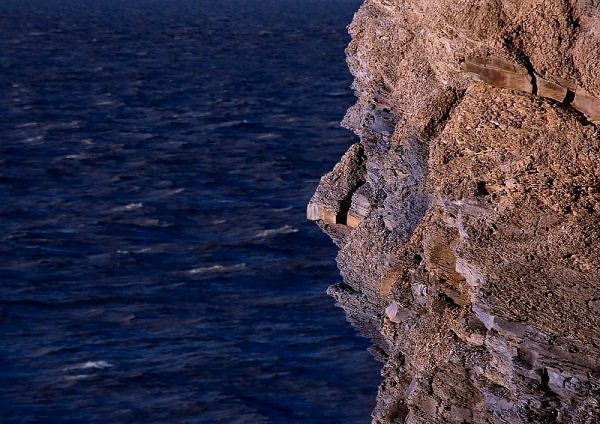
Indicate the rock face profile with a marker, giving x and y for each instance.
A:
(468, 215)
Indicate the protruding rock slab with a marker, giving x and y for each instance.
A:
(504, 74)
(499, 73)
(315, 212)
(550, 89)
(331, 202)
(586, 104)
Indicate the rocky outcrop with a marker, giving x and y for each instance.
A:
(468, 215)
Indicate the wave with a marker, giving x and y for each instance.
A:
(96, 365)
(91, 365)
(286, 229)
(217, 268)
(129, 207)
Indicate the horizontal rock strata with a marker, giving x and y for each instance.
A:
(468, 215)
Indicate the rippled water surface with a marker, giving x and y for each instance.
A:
(155, 264)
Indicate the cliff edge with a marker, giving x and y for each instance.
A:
(468, 215)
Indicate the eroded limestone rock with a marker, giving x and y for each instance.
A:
(468, 216)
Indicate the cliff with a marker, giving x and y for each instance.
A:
(468, 215)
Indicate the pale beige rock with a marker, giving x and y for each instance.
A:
(316, 212)
(397, 313)
(353, 220)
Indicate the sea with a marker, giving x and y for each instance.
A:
(156, 266)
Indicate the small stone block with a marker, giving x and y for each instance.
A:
(313, 212)
(551, 90)
(316, 212)
(586, 104)
(353, 220)
(396, 313)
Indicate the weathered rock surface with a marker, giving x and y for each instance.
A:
(468, 216)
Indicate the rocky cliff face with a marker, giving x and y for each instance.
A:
(468, 215)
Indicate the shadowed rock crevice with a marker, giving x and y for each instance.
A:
(468, 215)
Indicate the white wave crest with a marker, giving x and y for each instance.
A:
(286, 229)
(217, 268)
(96, 365)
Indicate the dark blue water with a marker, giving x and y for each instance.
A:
(155, 264)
